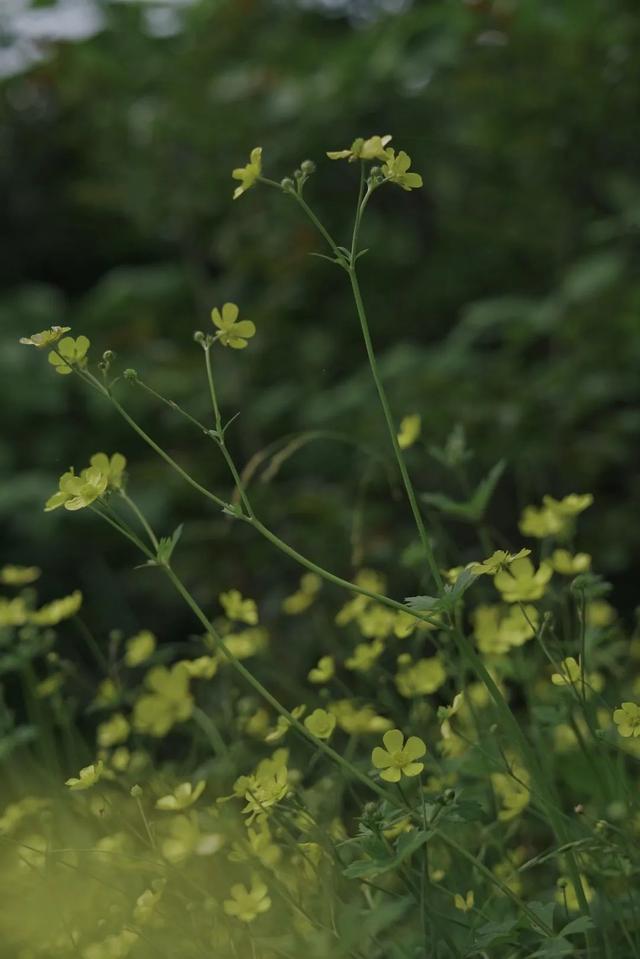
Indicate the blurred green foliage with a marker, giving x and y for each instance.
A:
(504, 296)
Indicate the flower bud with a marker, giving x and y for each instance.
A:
(136, 792)
(130, 374)
(287, 184)
(308, 167)
(199, 337)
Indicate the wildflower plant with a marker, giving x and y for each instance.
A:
(447, 775)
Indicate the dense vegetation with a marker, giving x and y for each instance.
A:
(357, 450)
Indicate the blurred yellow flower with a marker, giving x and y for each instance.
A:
(87, 777)
(409, 431)
(320, 723)
(239, 609)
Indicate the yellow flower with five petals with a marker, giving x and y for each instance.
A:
(398, 758)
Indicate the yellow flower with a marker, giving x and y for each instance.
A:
(167, 703)
(113, 731)
(600, 613)
(420, 678)
(627, 719)
(87, 777)
(139, 648)
(247, 643)
(555, 517)
(321, 723)
(112, 467)
(365, 656)
(569, 674)
(283, 724)
(464, 903)
(260, 846)
(299, 601)
(13, 612)
(185, 839)
(118, 945)
(567, 565)
(570, 505)
(233, 332)
(76, 492)
(237, 608)
(69, 353)
(19, 575)
(266, 787)
(323, 672)
(566, 893)
(247, 904)
(446, 712)
(54, 612)
(540, 523)
(521, 582)
(498, 560)
(398, 758)
(396, 170)
(248, 174)
(513, 793)
(372, 148)
(409, 431)
(46, 337)
(182, 797)
(358, 721)
(148, 900)
(496, 631)
(204, 667)
(376, 622)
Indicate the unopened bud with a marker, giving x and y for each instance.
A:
(308, 167)
(287, 184)
(130, 374)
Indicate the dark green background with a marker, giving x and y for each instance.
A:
(504, 296)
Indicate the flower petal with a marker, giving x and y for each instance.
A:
(381, 758)
(414, 748)
(393, 740)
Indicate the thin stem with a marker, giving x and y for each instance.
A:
(135, 509)
(384, 402)
(165, 456)
(220, 435)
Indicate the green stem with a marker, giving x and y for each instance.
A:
(220, 435)
(135, 509)
(406, 479)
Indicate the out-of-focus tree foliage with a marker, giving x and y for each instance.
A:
(504, 296)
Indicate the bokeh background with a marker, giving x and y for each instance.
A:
(504, 296)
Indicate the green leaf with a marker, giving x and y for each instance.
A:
(554, 949)
(473, 509)
(491, 933)
(407, 844)
(581, 924)
(423, 604)
(543, 911)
